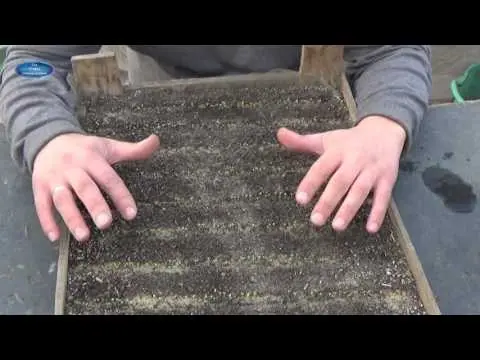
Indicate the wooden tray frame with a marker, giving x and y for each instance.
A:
(99, 74)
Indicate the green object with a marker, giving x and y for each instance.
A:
(467, 86)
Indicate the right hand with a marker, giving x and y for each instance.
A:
(80, 164)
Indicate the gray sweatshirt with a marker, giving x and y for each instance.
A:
(389, 80)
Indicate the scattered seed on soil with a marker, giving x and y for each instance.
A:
(218, 230)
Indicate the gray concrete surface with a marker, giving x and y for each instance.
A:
(27, 259)
(448, 63)
(444, 222)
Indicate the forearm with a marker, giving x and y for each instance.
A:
(35, 110)
(393, 81)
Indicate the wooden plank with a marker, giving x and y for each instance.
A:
(97, 74)
(62, 270)
(324, 62)
(120, 52)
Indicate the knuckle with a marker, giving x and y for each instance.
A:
(111, 181)
(71, 220)
(350, 203)
(61, 196)
(88, 192)
(363, 187)
(327, 203)
(124, 200)
(343, 180)
(41, 205)
(347, 209)
(83, 186)
(308, 185)
(96, 204)
(386, 167)
(388, 178)
(122, 197)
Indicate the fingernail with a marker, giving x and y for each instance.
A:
(372, 227)
(317, 219)
(81, 234)
(338, 224)
(102, 220)
(130, 213)
(302, 198)
(52, 236)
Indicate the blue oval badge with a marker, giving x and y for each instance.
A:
(34, 69)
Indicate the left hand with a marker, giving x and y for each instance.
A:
(357, 161)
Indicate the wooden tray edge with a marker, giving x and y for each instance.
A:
(62, 271)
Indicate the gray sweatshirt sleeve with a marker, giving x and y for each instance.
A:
(393, 81)
(28, 104)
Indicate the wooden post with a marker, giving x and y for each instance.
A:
(323, 62)
(62, 271)
(97, 74)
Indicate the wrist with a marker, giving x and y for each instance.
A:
(388, 125)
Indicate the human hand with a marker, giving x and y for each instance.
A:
(355, 162)
(76, 164)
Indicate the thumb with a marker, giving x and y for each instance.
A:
(119, 151)
(311, 143)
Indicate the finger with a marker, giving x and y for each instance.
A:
(67, 208)
(44, 207)
(88, 192)
(381, 201)
(335, 190)
(107, 178)
(301, 143)
(119, 151)
(316, 176)
(354, 200)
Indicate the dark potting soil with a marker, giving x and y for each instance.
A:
(218, 230)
